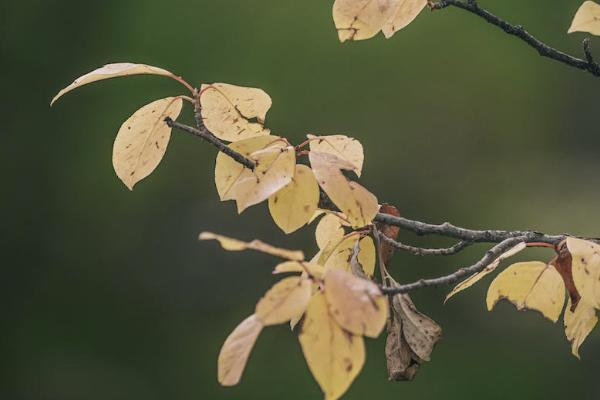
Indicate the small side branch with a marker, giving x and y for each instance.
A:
(212, 139)
(462, 273)
(518, 31)
(419, 251)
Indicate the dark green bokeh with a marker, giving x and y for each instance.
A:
(108, 294)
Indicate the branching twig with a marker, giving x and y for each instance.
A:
(205, 134)
(420, 251)
(489, 258)
(518, 31)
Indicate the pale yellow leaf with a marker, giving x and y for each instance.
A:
(329, 230)
(343, 147)
(142, 140)
(357, 203)
(237, 245)
(234, 113)
(276, 162)
(356, 304)
(311, 268)
(530, 285)
(293, 206)
(473, 279)
(586, 269)
(113, 71)
(334, 356)
(236, 350)
(367, 255)
(405, 12)
(284, 300)
(361, 19)
(338, 254)
(587, 19)
(579, 324)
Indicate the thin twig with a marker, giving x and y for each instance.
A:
(518, 31)
(212, 139)
(420, 251)
(489, 258)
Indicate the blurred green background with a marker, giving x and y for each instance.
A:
(108, 294)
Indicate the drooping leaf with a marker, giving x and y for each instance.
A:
(142, 140)
(284, 300)
(530, 285)
(276, 162)
(579, 324)
(234, 113)
(402, 363)
(334, 356)
(293, 205)
(389, 231)
(237, 245)
(236, 350)
(357, 203)
(341, 146)
(473, 279)
(587, 19)
(406, 11)
(113, 71)
(356, 304)
(363, 19)
(329, 230)
(586, 269)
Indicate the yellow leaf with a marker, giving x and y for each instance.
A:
(356, 202)
(343, 147)
(329, 230)
(236, 350)
(586, 269)
(142, 140)
(237, 245)
(406, 11)
(293, 206)
(284, 300)
(579, 324)
(473, 279)
(530, 285)
(361, 19)
(113, 71)
(276, 162)
(311, 268)
(334, 356)
(338, 254)
(367, 255)
(229, 111)
(587, 19)
(356, 304)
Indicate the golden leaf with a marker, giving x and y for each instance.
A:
(343, 147)
(142, 140)
(236, 350)
(293, 206)
(587, 19)
(363, 19)
(229, 111)
(284, 300)
(579, 324)
(329, 230)
(356, 304)
(237, 245)
(311, 268)
(334, 356)
(275, 166)
(357, 203)
(367, 255)
(586, 269)
(113, 71)
(530, 285)
(473, 279)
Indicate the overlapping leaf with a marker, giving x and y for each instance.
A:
(586, 269)
(341, 146)
(234, 113)
(286, 299)
(579, 323)
(142, 140)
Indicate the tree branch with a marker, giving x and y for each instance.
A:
(490, 256)
(543, 49)
(420, 251)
